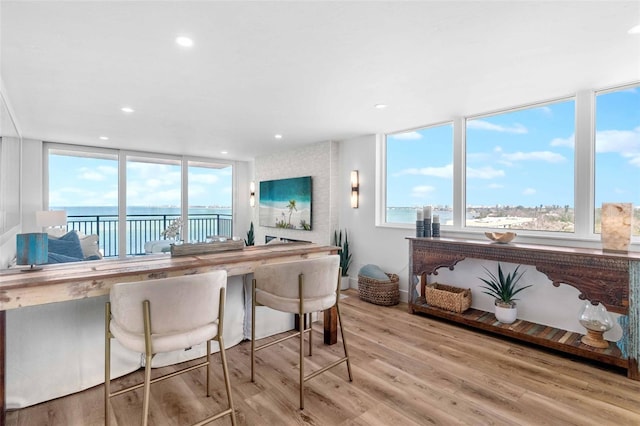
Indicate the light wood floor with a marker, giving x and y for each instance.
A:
(408, 370)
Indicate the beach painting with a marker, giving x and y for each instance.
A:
(286, 203)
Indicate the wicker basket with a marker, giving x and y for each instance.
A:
(448, 297)
(378, 292)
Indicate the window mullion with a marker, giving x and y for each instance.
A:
(459, 188)
(584, 144)
(122, 204)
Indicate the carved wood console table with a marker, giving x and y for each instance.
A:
(610, 278)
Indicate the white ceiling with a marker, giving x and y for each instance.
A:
(312, 71)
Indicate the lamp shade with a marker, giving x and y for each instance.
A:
(32, 249)
(51, 218)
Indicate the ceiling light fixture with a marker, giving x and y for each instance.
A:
(128, 110)
(381, 106)
(635, 30)
(278, 136)
(104, 138)
(184, 41)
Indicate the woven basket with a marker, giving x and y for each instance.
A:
(378, 292)
(448, 297)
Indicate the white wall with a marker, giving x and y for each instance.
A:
(320, 161)
(387, 247)
(32, 191)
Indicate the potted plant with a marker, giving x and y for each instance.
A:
(250, 240)
(503, 288)
(345, 256)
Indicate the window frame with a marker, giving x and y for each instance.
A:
(531, 106)
(593, 206)
(122, 157)
(384, 163)
(584, 176)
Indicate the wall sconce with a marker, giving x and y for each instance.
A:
(252, 195)
(32, 249)
(355, 189)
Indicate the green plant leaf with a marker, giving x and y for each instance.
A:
(503, 287)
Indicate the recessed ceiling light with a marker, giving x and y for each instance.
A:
(127, 109)
(224, 152)
(184, 41)
(381, 106)
(278, 136)
(104, 138)
(635, 30)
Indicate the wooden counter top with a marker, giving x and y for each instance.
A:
(78, 280)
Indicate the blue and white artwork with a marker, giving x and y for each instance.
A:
(286, 203)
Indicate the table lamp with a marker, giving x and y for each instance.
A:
(32, 249)
(51, 218)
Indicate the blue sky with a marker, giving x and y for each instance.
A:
(84, 181)
(522, 157)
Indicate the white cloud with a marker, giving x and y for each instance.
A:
(406, 136)
(107, 170)
(548, 156)
(203, 178)
(568, 142)
(622, 141)
(72, 196)
(484, 173)
(529, 191)
(497, 148)
(546, 111)
(153, 183)
(92, 175)
(485, 125)
(441, 172)
(421, 191)
(99, 174)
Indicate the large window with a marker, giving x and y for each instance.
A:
(543, 169)
(419, 173)
(159, 190)
(85, 184)
(520, 169)
(617, 151)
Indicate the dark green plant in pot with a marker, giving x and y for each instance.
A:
(345, 255)
(250, 240)
(503, 287)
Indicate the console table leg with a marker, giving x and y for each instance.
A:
(634, 320)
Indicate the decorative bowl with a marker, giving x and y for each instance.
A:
(501, 237)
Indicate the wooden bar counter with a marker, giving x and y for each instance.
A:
(72, 281)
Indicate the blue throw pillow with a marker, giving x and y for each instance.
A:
(374, 272)
(61, 258)
(67, 245)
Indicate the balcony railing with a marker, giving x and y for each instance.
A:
(142, 228)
